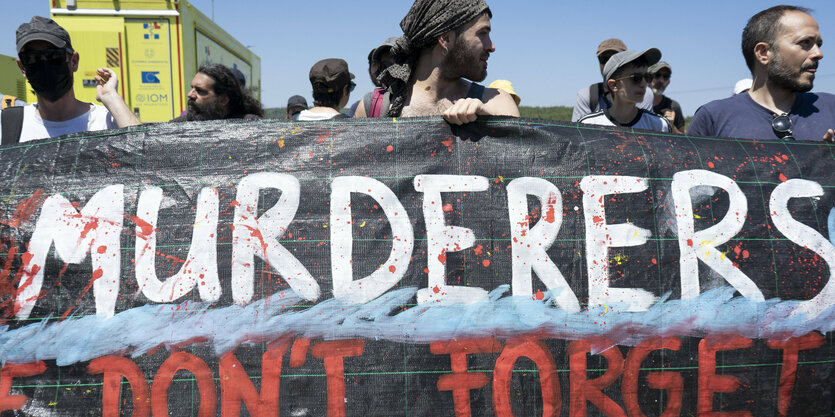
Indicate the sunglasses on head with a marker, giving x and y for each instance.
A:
(782, 125)
(637, 77)
(51, 55)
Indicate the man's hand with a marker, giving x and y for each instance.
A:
(108, 83)
(670, 115)
(829, 136)
(464, 111)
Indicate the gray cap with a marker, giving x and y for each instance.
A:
(620, 59)
(42, 29)
(296, 101)
(383, 48)
(657, 67)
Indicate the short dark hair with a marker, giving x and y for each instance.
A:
(763, 27)
(241, 102)
(325, 99)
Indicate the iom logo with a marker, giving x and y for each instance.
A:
(151, 29)
(150, 77)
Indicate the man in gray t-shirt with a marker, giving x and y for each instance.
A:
(597, 95)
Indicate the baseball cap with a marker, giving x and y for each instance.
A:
(296, 101)
(42, 29)
(612, 44)
(507, 86)
(620, 59)
(743, 85)
(329, 75)
(657, 67)
(383, 48)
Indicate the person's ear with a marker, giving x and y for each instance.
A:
(445, 41)
(223, 101)
(74, 61)
(763, 53)
(613, 85)
(20, 65)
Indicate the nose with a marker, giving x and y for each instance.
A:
(192, 94)
(491, 47)
(817, 53)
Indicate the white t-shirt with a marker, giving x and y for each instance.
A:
(98, 118)
(312, 116)
(643, 120)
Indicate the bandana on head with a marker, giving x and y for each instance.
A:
(425, 22)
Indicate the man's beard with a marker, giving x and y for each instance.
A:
(462, 63)
(210, 111)
(782, 76)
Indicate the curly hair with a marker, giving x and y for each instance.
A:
(241, 102)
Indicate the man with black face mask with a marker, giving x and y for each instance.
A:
(48, 61)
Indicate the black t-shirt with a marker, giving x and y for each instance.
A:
(668, 103)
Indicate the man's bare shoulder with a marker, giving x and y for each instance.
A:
(499, 103)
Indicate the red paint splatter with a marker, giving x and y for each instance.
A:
(442, 257)
(486, 263)
(710, 165)
(102, 249)
(783, 177)
(478, 250)
(447, 207)
(539, 295)
(549, 215)
(390, 148)
(654, 261)
(448, 144)
(436, 289)
(145, 228)
(392, 268)
(690, 242)
(745, 254)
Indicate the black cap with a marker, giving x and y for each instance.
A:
(296, 101)
(329, 75)
(383, 48)
(42, 29)
(239, 76)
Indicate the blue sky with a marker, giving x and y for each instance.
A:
(545, 47)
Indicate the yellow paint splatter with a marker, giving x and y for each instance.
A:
(281, 143)
(697, 216)
(325, 225)
(363, 224)
(501, 178)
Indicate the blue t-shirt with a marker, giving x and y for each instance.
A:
(741, 117)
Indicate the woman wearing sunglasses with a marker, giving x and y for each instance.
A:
(627, 77)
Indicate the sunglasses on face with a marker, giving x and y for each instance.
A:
(353, 85)
(52, 55)
(637, 77)
(664, 77)
(782, 125)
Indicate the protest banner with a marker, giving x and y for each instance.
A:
(400, 267)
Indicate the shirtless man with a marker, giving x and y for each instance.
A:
(445, 44)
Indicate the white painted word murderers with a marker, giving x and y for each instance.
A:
(96, 229)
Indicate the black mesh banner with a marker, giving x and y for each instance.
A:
(403, 267)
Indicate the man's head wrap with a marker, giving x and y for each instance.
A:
(425, 22)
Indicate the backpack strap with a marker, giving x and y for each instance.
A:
(595, 92)
(476, 91)
(8, 101)
(376, 108)
(366, 103)
(12, 121)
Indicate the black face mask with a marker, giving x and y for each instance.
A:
(50, 80)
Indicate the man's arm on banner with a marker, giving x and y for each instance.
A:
(496, 103)
(106, 93)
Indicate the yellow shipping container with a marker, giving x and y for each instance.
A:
(155, 46)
